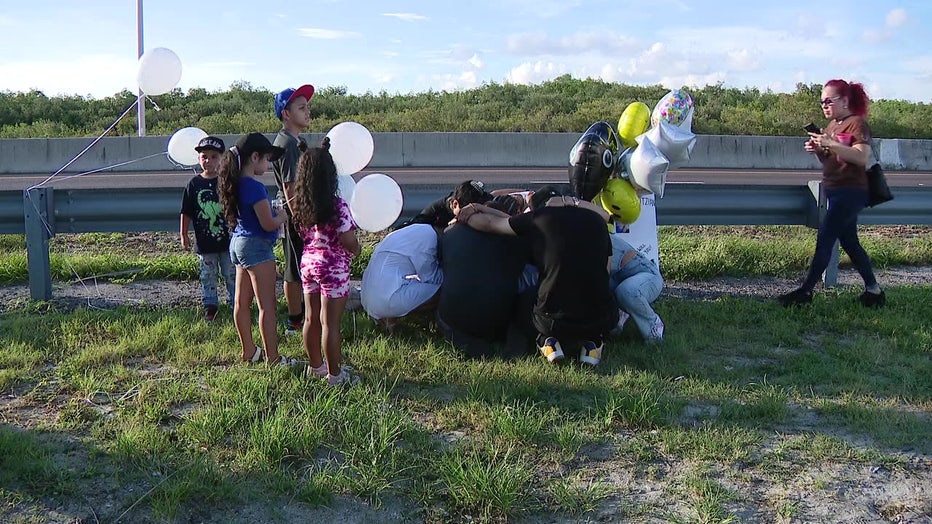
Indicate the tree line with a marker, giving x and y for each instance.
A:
(564, 104)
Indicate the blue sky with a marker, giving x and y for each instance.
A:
(404, 46)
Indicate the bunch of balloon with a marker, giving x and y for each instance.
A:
(351, 147)
(656, 141)
(376, 200)
(667, 143)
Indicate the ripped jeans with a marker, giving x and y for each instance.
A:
(214, 265)
(634, 295)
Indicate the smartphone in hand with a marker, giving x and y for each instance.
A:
(812, 128)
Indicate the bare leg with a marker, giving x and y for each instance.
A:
(242, 314)
(331, 310)
(312, 330)
(263, 283)
(293, 297)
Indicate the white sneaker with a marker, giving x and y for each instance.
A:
(550, 348)
(656, 331)
(345, 378)
(591, 353)
(319, 372)
(622, 318)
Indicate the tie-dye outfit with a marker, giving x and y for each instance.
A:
(325, 264)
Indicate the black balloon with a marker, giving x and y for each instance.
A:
(592, 160)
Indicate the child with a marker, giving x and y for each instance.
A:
(327, 229)
(291, 108)
(200, 206)
(246, 203)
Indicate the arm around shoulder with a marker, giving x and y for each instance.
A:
(491, 223)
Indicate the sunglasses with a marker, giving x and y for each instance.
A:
(829, 101)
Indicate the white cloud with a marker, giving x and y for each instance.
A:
(897, 17)
(476, 62)
(407, 17)
(875, 36)
(95, 75)
(744, 60)
(389, 54)
(453, 82)
(534, 73)
(541, 44)
(326, 34)
(540, 8)
(920, 65)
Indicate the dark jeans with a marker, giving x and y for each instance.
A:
(518, 337)
(841, 224)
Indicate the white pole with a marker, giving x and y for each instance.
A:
(140, 101)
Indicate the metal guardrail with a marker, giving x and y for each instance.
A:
(43, 212)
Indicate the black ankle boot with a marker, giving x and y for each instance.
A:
(869, 299)
(797, 297)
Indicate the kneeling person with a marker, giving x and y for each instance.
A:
(569, 244)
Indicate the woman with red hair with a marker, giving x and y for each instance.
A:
(844, 149)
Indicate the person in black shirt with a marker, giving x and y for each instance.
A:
(479, 294)
(200, 208)
(569, 244)
(440, 212)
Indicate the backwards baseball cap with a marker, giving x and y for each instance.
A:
(210, 142)
(257, 143)
(469, 192)
(285, 97)
(541, 196)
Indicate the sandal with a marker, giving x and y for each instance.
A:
(256, 357)
(345, 378)
(284, 361)
(319, 372)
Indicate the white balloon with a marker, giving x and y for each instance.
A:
(377, 202)
(159, 71)
(675, 143)
(346, 186)
(181, 145)
(648, 167)
(351, 147)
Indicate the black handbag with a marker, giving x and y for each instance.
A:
(877, 188)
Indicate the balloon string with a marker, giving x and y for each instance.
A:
(111, 167)
(85, 150)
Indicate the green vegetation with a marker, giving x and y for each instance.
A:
(146, 414)
(564, 104)
(690, 253)
(742, 402)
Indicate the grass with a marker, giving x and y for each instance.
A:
(690, 253)
(151, 410)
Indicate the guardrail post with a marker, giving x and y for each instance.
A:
(38, 212)
(830, 277)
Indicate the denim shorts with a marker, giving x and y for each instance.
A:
(251, 251)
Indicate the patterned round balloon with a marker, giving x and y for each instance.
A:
(672, 108)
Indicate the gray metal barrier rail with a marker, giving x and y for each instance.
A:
(43, 212)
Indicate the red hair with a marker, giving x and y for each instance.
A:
(854, 92)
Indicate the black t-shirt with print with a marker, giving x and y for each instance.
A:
(201, 204)
(570, 247)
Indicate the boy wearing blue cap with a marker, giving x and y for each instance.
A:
(291, 107)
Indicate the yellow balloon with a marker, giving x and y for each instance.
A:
(634, 121)
(621, 200)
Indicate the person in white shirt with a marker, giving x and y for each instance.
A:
(403, 274)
